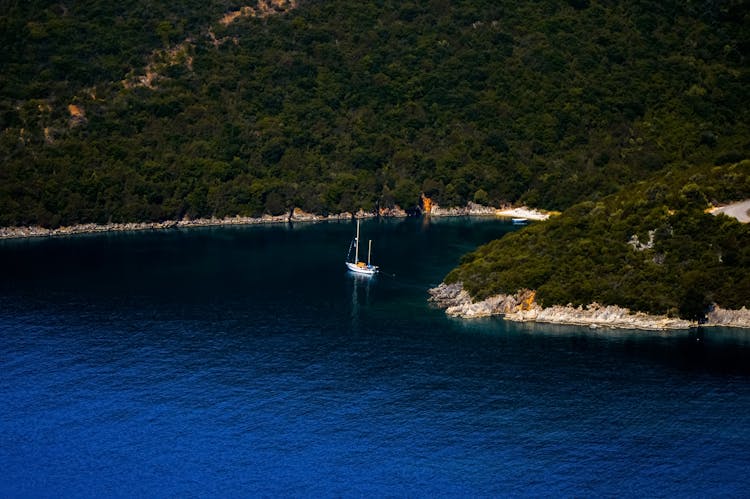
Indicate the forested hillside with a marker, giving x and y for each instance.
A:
(651, 247)
(155, 110)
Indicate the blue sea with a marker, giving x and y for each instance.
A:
(247, 362)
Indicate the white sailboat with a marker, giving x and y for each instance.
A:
(357, 266)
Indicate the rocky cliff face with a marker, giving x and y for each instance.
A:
(457, 302)
(522, 307)
(730, 318)
(596, 315)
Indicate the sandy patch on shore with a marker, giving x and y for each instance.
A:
(523, 212)
(739, 210)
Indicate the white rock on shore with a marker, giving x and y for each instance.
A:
(296, 216)
(729, 318)
(395, 212)
(457, 302)
(596, 315)
(522, 307)
(471, 209)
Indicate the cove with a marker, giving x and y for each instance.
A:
(247, 361)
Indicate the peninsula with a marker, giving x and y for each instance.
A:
(656, 256)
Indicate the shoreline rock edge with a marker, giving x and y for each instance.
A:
(295, 215)
(522, 307)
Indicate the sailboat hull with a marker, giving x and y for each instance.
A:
(367, 270)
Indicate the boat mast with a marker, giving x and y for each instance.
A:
(369, 251)
(356, 245)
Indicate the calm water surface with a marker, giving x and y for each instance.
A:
(246, 362)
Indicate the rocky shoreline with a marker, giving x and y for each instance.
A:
(294, 216)
(522, 307)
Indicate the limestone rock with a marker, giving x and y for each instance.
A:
(472, 209)
(522, 307)
(364, 214)
(298, 215)
(729, 318)
(395, 212)
(457, 302)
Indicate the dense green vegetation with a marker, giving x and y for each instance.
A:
(338, 105)
(681, 260)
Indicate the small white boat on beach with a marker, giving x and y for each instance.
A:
(355, 265)
(519, 221)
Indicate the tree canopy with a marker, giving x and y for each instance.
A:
(136, 111)
(652, 247)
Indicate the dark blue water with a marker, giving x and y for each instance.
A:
(246, 362)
